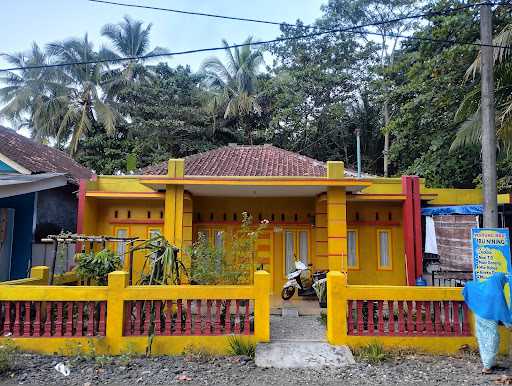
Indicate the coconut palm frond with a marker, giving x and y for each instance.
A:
(503, 41)
(234, 82)
(469, 132)
(106, 116)
(469, 105)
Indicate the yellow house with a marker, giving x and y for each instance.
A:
(318, 212)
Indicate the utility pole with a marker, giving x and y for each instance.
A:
(488, 119)
(358, 151)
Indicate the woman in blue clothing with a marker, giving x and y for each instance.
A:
(487, 301)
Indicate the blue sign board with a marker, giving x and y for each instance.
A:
(491, 252)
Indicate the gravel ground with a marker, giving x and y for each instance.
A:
(197, 370)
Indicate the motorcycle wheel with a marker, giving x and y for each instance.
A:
(287, 293)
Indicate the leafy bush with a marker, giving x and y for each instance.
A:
(238, 346)
(161, 265)
(211, 265)
(373, 353)
(97, 266)
(8, 352)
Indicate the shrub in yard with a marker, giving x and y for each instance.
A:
(8, 353)
(373, 353)
(234, 264)
(238, 346)
(97, 266)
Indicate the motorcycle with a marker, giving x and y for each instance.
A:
(295, 280)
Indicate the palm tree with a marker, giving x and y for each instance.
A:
(31, 96)
(82, 103)
(130, 40)
(233, 85)
(469, 132)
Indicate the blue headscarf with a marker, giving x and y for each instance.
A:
(487, 298)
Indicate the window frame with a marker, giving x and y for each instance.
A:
(296, 231)
(389, 267)
(355, 267)
(118, 244)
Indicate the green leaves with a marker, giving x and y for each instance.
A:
(96, 266)
(161, 264)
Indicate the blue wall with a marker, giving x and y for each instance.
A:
(23, 228)
(6, 168)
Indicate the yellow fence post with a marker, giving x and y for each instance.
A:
(262, 306)
(336, 307)
(117, 282)
(41, 273)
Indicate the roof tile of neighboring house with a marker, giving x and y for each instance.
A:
(38, 158)
(237, 160)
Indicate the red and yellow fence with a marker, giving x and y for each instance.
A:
(431, 319)
(118, 318)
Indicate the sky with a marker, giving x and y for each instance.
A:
(25, 21)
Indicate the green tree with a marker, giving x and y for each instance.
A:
(319, 96)
(469, 110)
(129, 39)
(31, 96)
(233, 84)
(427, 85)
(372, 11)
(82, 104)
(167, 119)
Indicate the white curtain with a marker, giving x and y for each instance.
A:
(430, 236)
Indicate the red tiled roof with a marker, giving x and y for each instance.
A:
(236, 160)
(38, 158)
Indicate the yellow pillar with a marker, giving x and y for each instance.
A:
(336, 219)
(117, 282)
(336, 308)
(173, 219)
(262, 306)
(41, 273)
(335, 169)
(188, 205)
(337, 229)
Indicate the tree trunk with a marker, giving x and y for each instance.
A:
(386, 139)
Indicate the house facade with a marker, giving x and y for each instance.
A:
(318, 212)
(38, 196)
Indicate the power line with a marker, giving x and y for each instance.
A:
(262, 21)
(353, 29)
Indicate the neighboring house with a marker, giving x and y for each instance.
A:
(318, 212)
(38, 186)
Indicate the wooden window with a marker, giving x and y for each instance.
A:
(120, 245)
(153, 232)
(296, 246)
(289, 255)
(353, 248)
(384, 249)
(214, 237)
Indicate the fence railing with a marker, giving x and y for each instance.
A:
(433, 319)
(451, 278)
(112, 318)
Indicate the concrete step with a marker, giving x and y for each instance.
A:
(302, 354)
